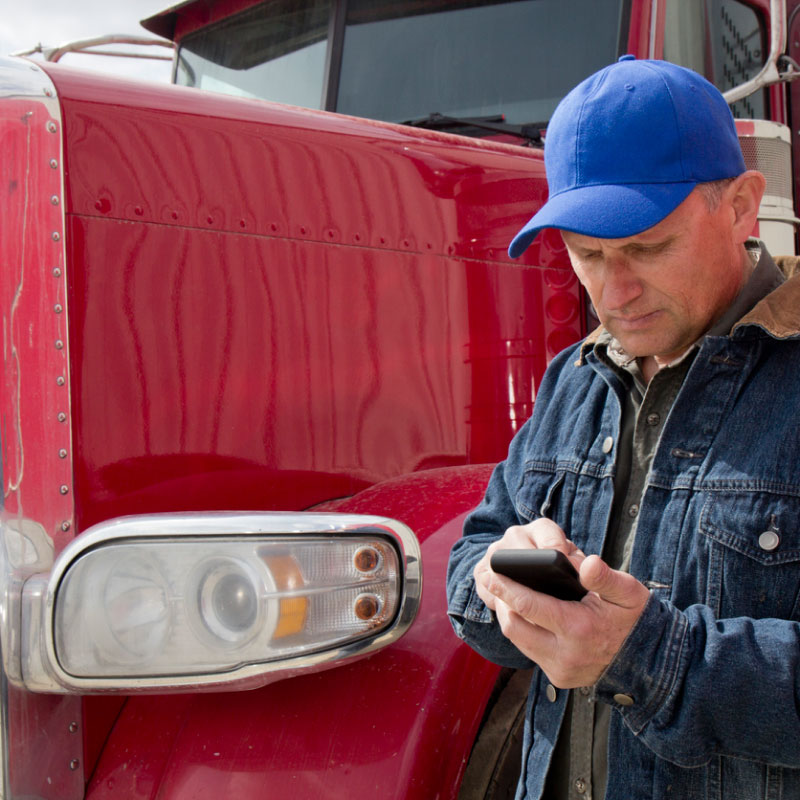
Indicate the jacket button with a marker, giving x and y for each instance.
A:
(580, 786)
(551, 693)
(608, 444)
(653, 419)
(769, 540)
(623, 699)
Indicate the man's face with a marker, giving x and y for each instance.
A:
(659, 291)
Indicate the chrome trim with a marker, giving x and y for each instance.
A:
(789, 220)
(40, 670)
(54, 54)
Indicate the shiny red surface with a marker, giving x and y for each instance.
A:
(33, 302)
(272, 308)
(34, 415)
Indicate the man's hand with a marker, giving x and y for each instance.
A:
(573, 642)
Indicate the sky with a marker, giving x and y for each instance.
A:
(54, 22)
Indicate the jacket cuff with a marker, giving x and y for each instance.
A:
(642, 675)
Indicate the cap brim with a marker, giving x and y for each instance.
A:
(606, 212)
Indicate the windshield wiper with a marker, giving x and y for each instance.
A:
(436, 121)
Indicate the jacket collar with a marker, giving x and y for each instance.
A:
(778, 314)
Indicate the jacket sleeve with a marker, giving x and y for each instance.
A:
(693, 687)
(471, 619)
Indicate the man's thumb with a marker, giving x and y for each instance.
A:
(613, 586)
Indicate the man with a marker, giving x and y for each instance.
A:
(663, 458)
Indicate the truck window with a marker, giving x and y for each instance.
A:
(397, 60)
(725, 40)
(275, 51)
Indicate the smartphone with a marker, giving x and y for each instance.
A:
(548, 571)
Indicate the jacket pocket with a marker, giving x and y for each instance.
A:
(753, 554)
(538, 495)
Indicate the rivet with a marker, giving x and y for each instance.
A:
(60, 380)
(138, 211)
(73, 727)
(74, 764)
(53, 163)
(59, 344)
(64, 489)
(62, 417)
(56, 236)
(56, 272)
(54, 200)
(210, 220)
(52, 127)
(48, 92)
(62, 453)
(58, 308)
(65, 526)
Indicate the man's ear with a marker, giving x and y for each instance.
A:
(745, 196)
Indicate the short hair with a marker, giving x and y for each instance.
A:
(712, 191)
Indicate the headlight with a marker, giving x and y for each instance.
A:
(171, 595)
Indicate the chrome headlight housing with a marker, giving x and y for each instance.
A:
(188, 600)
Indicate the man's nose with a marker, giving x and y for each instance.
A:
(622, 286)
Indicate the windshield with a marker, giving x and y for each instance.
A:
(401, 60)
(478, 59)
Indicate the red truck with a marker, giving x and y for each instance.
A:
(258, 360)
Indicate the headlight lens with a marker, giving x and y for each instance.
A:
(197, 605)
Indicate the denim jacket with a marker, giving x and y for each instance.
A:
(713, 663)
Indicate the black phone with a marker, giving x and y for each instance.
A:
(548, 571)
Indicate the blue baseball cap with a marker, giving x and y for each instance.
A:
(626, 147)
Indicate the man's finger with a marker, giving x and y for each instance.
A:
(541, 533)
(536, 607)
(614, 587)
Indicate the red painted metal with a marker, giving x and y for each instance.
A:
(33, 298)
(276, 307)
(639, 34)
(34, 412)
